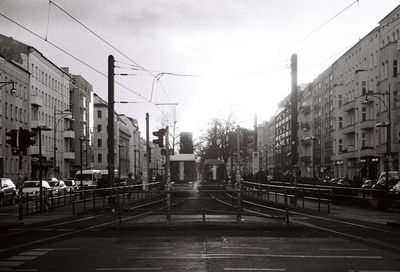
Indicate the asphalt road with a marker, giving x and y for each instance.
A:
(96, 242)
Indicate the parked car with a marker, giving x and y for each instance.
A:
(334, 181)
(368, 183)
(381, 184)
(343, 182)
(32, 188)
(396, 188)
(70, 185)
(7, 191)
(58, 187)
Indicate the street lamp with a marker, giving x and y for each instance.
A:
(40, 129)
(82, 139)
(65, 113)
(387, 124)
(13, 83)
(312, 138)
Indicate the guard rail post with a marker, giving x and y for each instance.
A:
(169, 205)
(287, 206)
(239, 206)
(319, 199)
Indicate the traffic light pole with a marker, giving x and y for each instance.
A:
(148, 148)
(20, 184)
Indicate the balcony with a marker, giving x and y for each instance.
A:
(349, 106)
(367, 124)
(348, 154)
(69, 155)
(349, 129)
(69, 134)
(37, 100)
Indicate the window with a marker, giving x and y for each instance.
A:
(98, 128)
(98, 142)
(6, 110)
(340, 122)
(394, 68)
(363, 140)
(363, 113)
(363, 87)
(340, 145)
(99, 114)
(99, 158)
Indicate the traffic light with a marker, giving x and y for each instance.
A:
(25, 140)
(160, 134)
(13, 138)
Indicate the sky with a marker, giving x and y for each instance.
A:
(214, 58)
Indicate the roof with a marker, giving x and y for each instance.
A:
(182, 157)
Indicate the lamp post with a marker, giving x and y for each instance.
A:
(82, 139)
(312, 138)
(40, 128)
(56, 122)
(13, 83)
(387, 124)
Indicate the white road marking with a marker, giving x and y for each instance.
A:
(21, 258)
(130, 269)
(32, 253)
(344, 249)
(149, 247)
(57, 248)
(245, 247)
(230, 256)
(10, 264)
(54, 230)
(252, 269)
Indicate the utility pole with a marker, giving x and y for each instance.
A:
(148, 151)
(110, 127)
(294, 117)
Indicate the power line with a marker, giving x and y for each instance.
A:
(318, 28)
(75, 58)
(101, 38)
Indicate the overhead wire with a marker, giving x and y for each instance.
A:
(72, 56)
(318, 28)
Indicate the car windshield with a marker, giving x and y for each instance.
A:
(31, 184)
(53, 183)
(68, 182)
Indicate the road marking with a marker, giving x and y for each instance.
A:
(33, 253)
(344, 249)
(130, 269)
(245, 247)
(148, 247)
(252, 269)
(230, 256)
(10, 264)
(54, 230)
(59, 248)
(21, 258)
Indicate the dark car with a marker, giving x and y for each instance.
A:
(368, 183)
(7, 191)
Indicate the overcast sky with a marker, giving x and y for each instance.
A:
(237, 52)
